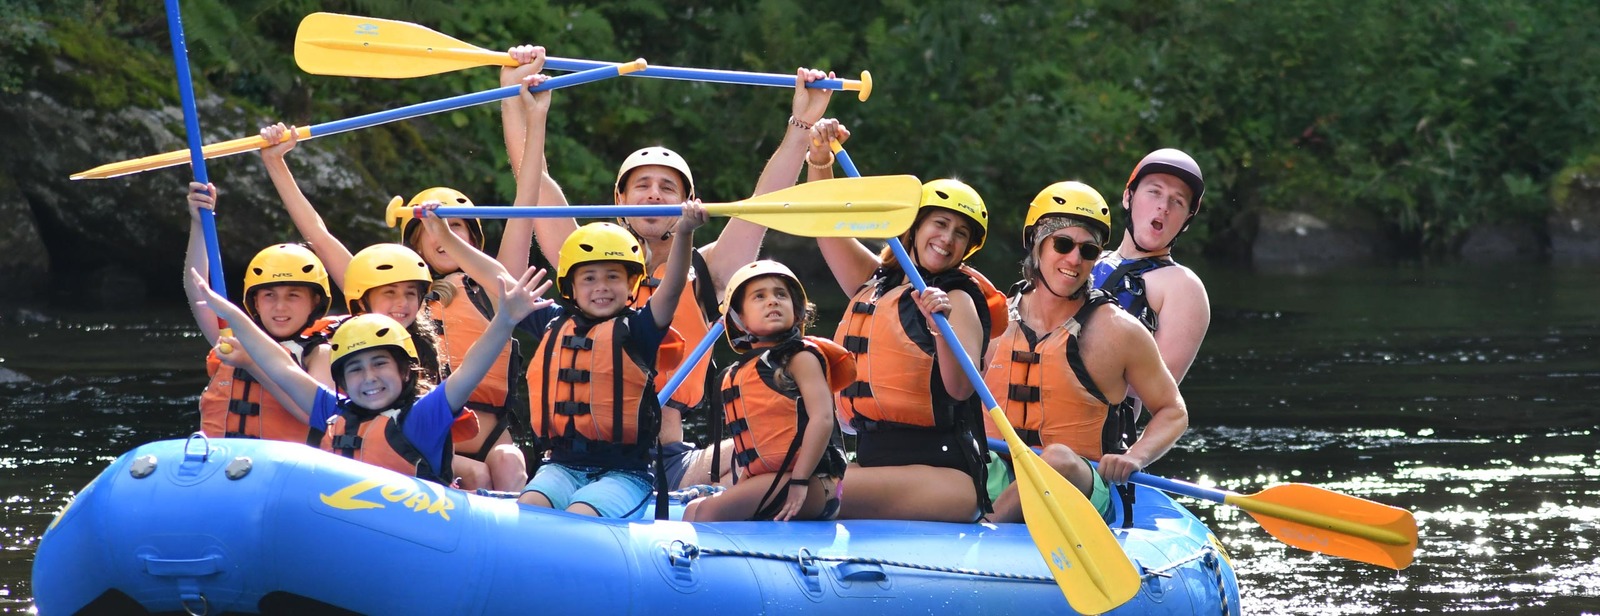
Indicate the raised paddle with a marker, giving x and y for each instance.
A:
(873, 207)
(197, 162)
(1084, 557)
(251, 144)
(352, 46)
(1310, 518)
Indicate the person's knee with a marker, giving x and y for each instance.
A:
(535, 499)
(583, 509)
(1063, 459)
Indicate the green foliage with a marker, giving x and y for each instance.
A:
(1428, 116)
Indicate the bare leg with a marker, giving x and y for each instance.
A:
(914, 492)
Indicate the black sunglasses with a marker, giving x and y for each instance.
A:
(1063, 245)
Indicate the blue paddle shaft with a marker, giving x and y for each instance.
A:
(571, 211)
(688, 362)
(197, 159)
(698, 74)
(601, 72)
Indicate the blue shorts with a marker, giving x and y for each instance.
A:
(676, 461)
(613, 493)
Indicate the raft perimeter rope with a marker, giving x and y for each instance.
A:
(694, 551)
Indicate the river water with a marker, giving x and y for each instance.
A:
(1464, 393)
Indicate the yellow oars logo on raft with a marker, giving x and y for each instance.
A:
(407, 495)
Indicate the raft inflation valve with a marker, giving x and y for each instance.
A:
(238, 468)
(142, 467)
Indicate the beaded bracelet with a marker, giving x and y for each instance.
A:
(826, 165)
(795, 122)
(799, 482)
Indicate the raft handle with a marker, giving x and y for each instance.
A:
(860, 572)
(182, 567)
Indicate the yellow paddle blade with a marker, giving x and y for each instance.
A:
(1084, 557)
(180, 157)
(353, 46)
(1320, 520)
(877, 207)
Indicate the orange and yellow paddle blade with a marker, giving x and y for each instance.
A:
(1321, 520)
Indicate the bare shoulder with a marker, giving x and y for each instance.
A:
(1110, 328)
(1176, 287)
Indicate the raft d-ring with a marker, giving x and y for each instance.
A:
(205, 452)
(205, 606)
(681, 553)
(804, 559)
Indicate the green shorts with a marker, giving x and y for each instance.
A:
(1001, 474)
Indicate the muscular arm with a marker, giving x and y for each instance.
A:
(1179, 298)
(1147, 376)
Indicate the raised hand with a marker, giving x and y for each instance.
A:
(694, 215)
(530, 60)
(809, 103)
(201, 196)
(524, 296)
(282, 137)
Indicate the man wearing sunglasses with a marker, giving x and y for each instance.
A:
(1160, 200)
(1068, 355)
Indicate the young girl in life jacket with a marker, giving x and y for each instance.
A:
(392, 280)
(777, 402)
(592, 397)
(460, 304)
(286, 294)
(388, 413)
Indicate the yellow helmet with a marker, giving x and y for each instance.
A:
(599, 242)
(656, 155)
(381, 264)
(286, 264)
(368, 331)
(958, 197)
(403, 219)
(1074, 199)
(740, 339)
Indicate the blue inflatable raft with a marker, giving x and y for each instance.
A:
(244, 526)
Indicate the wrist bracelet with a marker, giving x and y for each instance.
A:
(799, 482)
(795, 122)
(826, 165)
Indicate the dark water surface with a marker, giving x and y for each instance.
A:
(1464, 393)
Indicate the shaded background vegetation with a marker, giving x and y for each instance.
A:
(1419, 119)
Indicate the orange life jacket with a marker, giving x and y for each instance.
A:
(767, 419)
(381, 442)
(235, 405)
(692, 318)
(898, 381)
(1043, 386)
(463, 323)
(593, 398)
